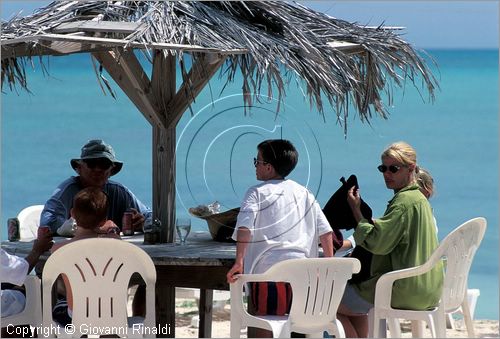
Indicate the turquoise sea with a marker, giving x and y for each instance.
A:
(456, 138)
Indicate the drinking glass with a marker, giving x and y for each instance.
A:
(183, 227)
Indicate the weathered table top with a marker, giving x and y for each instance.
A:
(200, 250)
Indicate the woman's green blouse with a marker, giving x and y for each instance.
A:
(404, 237)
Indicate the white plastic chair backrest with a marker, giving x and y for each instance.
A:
(459, 248)
(318, 285)
(29, 220)
(99, 270)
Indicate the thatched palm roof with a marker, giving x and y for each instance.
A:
(269, 42)
(337, 60)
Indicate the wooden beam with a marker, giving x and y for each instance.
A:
(127, 72)
(199, 75)
(66, 47)
(133, 67)
(48, 48)
(163, 81)
(97, 26)
(118, 43)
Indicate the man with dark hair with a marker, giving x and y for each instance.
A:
(281, 154)
(278, 220)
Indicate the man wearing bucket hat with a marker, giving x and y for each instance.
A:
(96, 164)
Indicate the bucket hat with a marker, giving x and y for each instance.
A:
(95, 149)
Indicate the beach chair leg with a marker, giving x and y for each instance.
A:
(450, 322)
(394, 327)
(417, 328)
(466, 311)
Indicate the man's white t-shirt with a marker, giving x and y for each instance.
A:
(285, 222)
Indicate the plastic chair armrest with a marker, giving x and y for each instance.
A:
(383, 289)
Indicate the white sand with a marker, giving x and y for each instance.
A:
(185, 310)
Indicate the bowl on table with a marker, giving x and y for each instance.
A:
(220, 225)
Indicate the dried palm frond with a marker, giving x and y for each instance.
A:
(269, 42)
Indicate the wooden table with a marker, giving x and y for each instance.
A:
(201, 263)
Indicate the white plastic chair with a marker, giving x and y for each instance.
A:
(99, 271)
(472, 295)
(458, 248)
(418, 327)
(317, 286)
(29, 220)
(32, 312)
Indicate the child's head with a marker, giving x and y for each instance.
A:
(281, 154)
(425, 182)
(90, 208)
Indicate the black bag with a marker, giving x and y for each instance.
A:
(339, 215)
(337, 209)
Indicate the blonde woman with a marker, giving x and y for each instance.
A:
(405, 236)
(425, 182)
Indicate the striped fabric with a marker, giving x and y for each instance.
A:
(271, 298)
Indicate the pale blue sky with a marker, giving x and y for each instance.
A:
(429, 24)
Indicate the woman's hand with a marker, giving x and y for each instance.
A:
(353, 198)
(354, 201)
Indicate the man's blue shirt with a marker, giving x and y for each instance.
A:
(57, 209)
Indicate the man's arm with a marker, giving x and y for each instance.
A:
(53, 214)
(137, 219)
(57, 208)
(141, 213)
(243, 238)
(42, 244)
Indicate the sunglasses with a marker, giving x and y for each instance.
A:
(103, 164)
(255, 162)
(391, 168)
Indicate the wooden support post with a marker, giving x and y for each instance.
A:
(205, 306)
(164, 180)
(165, 308)
(163, 82)
(162, 107)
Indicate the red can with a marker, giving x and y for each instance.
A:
(127, 224)
(13, 229)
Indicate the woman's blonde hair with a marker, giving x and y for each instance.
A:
(425, 182)
(402, 152)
